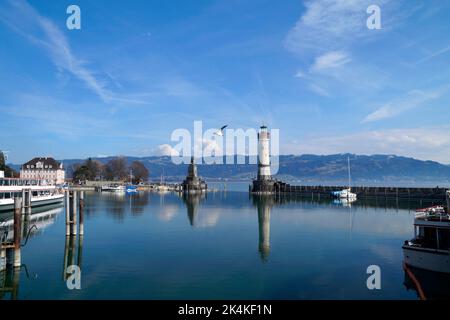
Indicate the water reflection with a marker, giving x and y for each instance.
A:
(192, 202)
(377, 203)
(264, 204)
(73, 254)
(428, 285)
(32, 225)
(119, 204)
(313, 233)
(41, 218)
(9, 283)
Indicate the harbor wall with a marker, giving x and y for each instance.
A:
(366, 192)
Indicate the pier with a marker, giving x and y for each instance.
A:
(436, 194)
(266, 184)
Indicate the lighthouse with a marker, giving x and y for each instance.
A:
(264, 154)
(263, 182)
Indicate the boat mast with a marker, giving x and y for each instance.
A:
(349, 181)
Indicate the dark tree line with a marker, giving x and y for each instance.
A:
(9, 172)
(115, 169)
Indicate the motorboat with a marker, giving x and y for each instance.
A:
(42, 193)
(113, 188)
(430, 247)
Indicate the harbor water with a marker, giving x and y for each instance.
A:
(225, 245)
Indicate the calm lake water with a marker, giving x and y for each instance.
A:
(227, 245)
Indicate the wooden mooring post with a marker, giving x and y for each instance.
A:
(81, 213)
(17, 232)
(26, 210)
(2, 258)
(447, 196)
(10, 252)
(73, 216)
(74, 204)
(67, 197)
(74, 207)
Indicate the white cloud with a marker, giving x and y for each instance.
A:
(300, 74)
(413, 99)
(333, 59)
(166, 150)
(426, 143)
(329, 24)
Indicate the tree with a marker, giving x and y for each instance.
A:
(89, 170)
(139, 171)
(95, 169)
(9, 172)
(116, 169)
(81, 173)
(2, 161)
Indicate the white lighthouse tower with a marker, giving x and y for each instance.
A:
(264, 154)
(263, 182)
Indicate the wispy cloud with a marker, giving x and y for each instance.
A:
(318, 89)
(434, 55)
(413, 99)
(41, 31)
(329, 24)
(420, 143)
(324, 36)
(329, 60)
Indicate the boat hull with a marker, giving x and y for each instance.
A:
(427, 259)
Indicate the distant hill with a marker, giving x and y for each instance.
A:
(308, 169)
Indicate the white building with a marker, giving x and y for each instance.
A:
(44, 169)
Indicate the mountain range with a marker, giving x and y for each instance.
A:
(305, 169)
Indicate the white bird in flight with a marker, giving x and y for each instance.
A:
(220, 132)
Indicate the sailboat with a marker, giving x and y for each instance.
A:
(162, 187)
(130, 188)
(346, 193)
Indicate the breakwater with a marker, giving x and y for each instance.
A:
(437, 193)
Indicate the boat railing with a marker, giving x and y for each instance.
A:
(5, 182)
(432, 216)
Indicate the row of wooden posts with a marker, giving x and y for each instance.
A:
(74, 204)
(10, 253)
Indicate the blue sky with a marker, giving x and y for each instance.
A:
(137, 70)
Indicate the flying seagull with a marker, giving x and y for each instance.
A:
(220, 132)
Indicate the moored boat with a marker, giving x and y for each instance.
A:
(131, 189)
(42, 193)
(346, 193)
(430, 247)
(113, 188)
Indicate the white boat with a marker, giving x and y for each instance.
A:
(162, 188)
(430, 247)
(42, 193)
(113, 188)
(346, 193)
